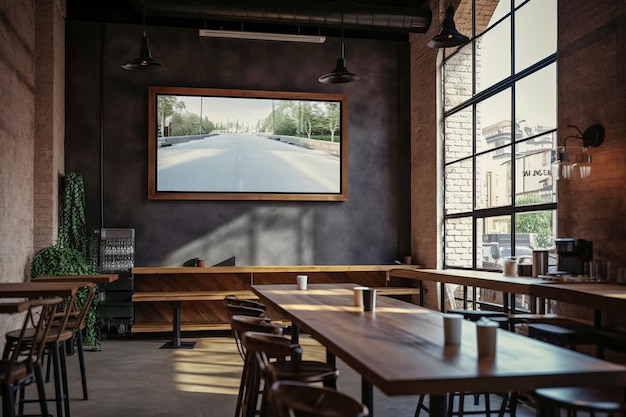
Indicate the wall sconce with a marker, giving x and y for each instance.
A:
(574, 162)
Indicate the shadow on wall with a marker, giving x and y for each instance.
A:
(269, 236)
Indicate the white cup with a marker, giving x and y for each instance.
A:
(301, 280)
(452, 325)
(358, 296)
(486, 337)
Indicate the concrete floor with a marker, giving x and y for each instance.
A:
(132, 377)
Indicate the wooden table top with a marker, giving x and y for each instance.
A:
(264, 269)
(599, 295)
(400, 349)
(483, 279)
(98, 278)
(14, 306)
(39, 289)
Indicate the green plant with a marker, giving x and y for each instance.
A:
(73, 252)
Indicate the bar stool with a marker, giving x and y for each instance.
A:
(260, 348)
(23, 365)
(573, 399)
(239, 325)
(296, 399)
(569, 334)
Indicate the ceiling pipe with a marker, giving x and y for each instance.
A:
(317, 13)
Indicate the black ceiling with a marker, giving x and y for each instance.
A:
(369, 19)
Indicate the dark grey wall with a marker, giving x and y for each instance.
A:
(107, 110)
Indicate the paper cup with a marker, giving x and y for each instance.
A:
(301, 281)
(358, 296)
(452, 325)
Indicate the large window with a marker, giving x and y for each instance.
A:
(500, 120)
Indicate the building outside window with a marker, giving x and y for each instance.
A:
(499, 95)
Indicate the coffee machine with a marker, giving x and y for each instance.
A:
(573, 253)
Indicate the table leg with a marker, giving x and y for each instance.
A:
(176, 342)
(295, 333)
(331, 359)
(367, 396)
(438, 405)
(442, 296)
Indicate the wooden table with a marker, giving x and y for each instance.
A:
(39, 289)
(509, 286)
(98, 278)
(399, 348)
(599, 295)
(14, 306)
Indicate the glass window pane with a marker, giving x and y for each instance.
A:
(457, 77)
(534, 181)
(458, 187)
(535, 101)
(538, 226)
(458, 135)
(458, 242)
(493, 121)
(493, 178)
(493, 55)
(496, 241)
(535, 32)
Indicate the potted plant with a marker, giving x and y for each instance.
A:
(73, 253)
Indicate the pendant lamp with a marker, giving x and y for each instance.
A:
(340, 74)
(448, 36)
(144, 62)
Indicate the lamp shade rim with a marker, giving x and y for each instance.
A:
(339, 75)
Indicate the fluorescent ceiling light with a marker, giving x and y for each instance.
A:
(234, 34)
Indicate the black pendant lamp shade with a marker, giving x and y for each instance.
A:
(144, 62)
(340, 74)
(448, 36)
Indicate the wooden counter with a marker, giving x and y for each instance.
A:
(203, 289)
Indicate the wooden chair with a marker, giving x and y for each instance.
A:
(54, 342)
(77, 323)
(235, 301)
(23, 365)
(608, 400)
(285, 356)
(240, 307)
(239, 325)
(296, 399)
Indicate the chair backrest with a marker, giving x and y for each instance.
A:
(242, 323)
(83, 309)
(234, 301)
(241, 310)
(296, 399)
(266, 346)
(29, 349)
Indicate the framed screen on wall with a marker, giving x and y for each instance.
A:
(217, 144)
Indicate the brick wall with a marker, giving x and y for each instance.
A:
(31, 132)
(592, 89)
